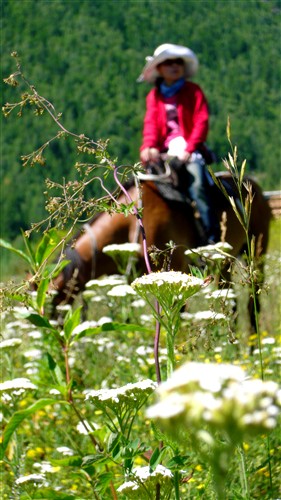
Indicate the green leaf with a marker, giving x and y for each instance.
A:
(55, 268)
(94, 459)
(29, 249)
(103, 481)
(71, 321)
(154, 458)
(113, 440)
(157, 457)
(41, 293)
(8, 246)
(19, 416)
(178, 461)
(38, 320)
(73, 461)
(54, 367)
(110, 327)
(47, 244)
(20, 297)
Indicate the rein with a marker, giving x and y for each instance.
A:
(165, 177)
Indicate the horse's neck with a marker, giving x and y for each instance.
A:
(107, 229)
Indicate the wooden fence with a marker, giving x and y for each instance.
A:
(274, 200)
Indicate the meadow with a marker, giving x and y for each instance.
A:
(78, 404)
(140, 399)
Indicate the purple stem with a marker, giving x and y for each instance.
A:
(136, 213)
(148, 267)
(156, 345)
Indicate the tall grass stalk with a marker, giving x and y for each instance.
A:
(242, 210)
(243, 474)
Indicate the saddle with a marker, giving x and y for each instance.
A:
(175, 186)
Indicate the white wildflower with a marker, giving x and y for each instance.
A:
(268, 341)
(31, 478)
(129, 485)
(17, 383)
(33, 354)
(65, 450)
(84, 326)
(171, 289)
(44, 467)
(86, 428)
(172, 405)
(143, 476)
(146, 318)
(210, 250)
(115, 279)
(208, 315)
(206, 376)
(63, 307)
(104, 319)
(54, 392)
(224, 293)
(129, 393)
(220, 396)
(144, 472)
(126, 248)
(144, 351)
(32, 370)
(138, 303)
(35, 334)
(121, 291)
(10, 343)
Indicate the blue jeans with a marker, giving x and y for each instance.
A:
(199, 192)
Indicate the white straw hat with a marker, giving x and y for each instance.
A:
(168, 51)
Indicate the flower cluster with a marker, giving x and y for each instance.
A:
(120, 406)
(122, 254)
(124, 248)
(171, 289)
(106, 282)
(16, 383)
(217, 251)
(121, 291)
(31, 478)
(217, 397)
(208, 316)
(14, 342)
(143, 484)
(130, 393)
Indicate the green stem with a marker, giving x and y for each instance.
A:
(243, 474)
(170, 354)
(177, 485)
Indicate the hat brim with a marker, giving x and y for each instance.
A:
(150, 73)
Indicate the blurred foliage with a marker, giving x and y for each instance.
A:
(85, 57)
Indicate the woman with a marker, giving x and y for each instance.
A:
(176, 122)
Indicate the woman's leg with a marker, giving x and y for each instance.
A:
(198, 191)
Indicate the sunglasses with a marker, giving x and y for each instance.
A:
(169, 62)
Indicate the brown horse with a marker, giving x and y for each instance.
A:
(163, 221)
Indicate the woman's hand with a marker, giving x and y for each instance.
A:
(149, 154)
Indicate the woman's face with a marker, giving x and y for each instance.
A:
(171, 70)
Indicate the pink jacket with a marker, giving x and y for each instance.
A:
(192, 112)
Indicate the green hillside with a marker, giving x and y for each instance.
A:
(85, 57)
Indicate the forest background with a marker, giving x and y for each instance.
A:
(85, 57)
